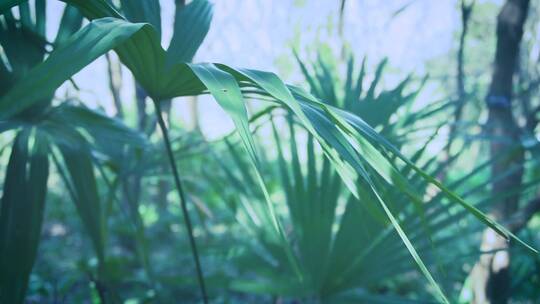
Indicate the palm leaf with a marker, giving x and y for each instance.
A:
(21, 214)
(82, 182)
(95, 39)
(351, 145)
(191, 24)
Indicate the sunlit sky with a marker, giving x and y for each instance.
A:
(260, 33)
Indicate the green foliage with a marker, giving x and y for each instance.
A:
(21, 214)
(331, 260)
(349, 206)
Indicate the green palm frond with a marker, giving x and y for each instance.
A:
(372, 169)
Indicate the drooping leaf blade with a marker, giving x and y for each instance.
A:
(21, 214)
(191, 24)
(70, 23)
(147, 11)
(227, 93)
(82, 48)
(82, 184)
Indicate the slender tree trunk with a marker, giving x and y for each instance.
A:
(341, 22)
(466, 11)
(195, 124)
(114, 69)
(140, 98)
(490, 276)
(192, 100)
(465, 16)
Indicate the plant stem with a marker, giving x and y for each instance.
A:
(181, 193)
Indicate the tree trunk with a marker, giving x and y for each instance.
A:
(114, 69)
(490, 276)
(466, 11)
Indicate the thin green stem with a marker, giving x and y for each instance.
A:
(183, 204)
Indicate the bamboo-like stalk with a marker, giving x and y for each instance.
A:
(183, 203)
